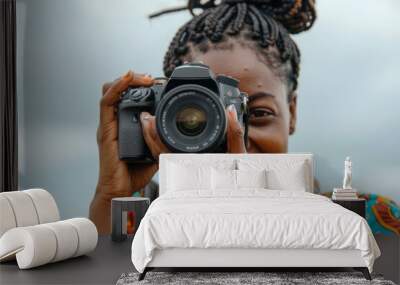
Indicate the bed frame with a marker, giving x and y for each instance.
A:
(234, 259)
(250, 259)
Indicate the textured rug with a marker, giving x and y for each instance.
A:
(243, 278)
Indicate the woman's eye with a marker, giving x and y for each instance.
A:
(260, 113)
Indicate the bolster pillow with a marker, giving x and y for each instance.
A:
(45, 243)
(26, 208)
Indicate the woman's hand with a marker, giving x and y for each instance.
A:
(116, 177)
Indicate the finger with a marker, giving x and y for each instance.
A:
(107, 86)
(134, 83)
(151, 136)
(235, 132)
(113, 94)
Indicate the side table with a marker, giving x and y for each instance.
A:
(357, 206)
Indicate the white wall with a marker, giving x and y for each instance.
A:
(348, 97)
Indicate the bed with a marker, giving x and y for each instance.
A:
(247, 211)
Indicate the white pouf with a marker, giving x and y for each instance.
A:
(67, 239)
(45, 205)
(7, 220)
(23, 208)
(31, 232)
(40, 244)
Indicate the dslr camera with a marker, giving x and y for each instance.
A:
(189, 108)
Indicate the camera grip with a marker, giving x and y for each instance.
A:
(131, 143)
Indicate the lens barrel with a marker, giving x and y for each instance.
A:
(191, 118)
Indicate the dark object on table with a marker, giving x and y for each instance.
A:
(126, 214)
(357, 205)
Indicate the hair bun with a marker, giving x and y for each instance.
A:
(295, 15)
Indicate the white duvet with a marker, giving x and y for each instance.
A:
(253, 218)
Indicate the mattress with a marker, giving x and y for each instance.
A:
(250, 219)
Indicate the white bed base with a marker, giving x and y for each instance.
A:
(238, 257)
(241, 259)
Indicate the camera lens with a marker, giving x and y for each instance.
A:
(191, 118)
(191, 121)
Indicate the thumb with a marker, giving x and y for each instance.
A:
(235, 132)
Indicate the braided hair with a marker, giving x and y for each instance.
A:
(262, 24)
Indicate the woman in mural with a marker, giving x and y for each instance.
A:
(248, 40)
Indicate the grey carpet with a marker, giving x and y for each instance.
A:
(243, 278)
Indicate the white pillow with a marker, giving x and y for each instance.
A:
(204, 160)
(288, 174)
(181, 177)
(293, 179)
(251, 178)
(231, 180)
(223, 179)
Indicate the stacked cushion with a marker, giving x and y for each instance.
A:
(41, 244)
(45, 205)
(7, 220)
(31, 232)
(27, 208)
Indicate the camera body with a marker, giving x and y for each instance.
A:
(190, 113)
